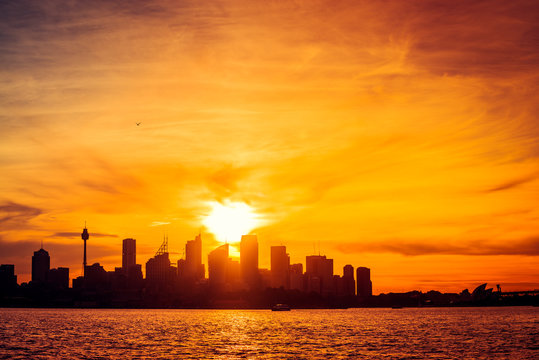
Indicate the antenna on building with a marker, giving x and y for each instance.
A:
(163, 249)
(318, 247)
(41, 243)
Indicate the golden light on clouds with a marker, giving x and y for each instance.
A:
(400, 135)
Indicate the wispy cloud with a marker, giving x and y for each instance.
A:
(14, 215)
(77, 235)
(159, 223)
(513, 183)
(526, 247)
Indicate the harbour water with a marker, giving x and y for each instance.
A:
(409, 333)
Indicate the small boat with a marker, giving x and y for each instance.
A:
(396, 307)
(280, 307)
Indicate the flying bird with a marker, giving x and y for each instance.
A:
(138, 124)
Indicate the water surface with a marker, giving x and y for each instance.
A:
(437, 333)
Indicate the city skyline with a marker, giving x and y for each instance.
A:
(182, 285)
(230, 284)
(191, 266)
(224, 272)
(401, 134)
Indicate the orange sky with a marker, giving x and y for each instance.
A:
(397, 135)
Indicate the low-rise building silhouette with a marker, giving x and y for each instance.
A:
(58, 278)
(296, 277)
(8, 279)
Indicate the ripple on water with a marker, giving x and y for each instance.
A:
(452, 333)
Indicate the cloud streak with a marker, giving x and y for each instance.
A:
(77, 235)
(513, 184)
(525, 247)
(14, 215)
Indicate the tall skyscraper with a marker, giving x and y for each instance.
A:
(129, 254)
(280, 264)
(349, 285)
(364, 284)
(194, 269)
(249, 261)
(217, 267)
(41, 262)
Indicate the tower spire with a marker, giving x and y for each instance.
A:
(84, 237)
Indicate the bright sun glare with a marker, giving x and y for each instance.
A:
(228, 221)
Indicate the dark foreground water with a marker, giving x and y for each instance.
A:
(438, 333)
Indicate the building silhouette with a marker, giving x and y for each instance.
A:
(132, 272)
(129, 254)
(95, 277)
(159, 271)
(58, 278)
(349, 284)
(296, 277)
(249, 261)
(364, 284)
(265, 278)
(233, 276)
(280, 267)
(218, 264)
(134, 276)
(8, 279)
(319, 274)
(41, 262)
(194, 269)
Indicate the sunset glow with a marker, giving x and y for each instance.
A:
(402, 136)
(229, 221)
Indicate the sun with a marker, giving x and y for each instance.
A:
(228, 221)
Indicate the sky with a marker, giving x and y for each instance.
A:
(398, 135)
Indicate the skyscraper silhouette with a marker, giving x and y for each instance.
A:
(129, 254)
(280, 264)
(217, 267)
(41, 262)
(194, 269)
(349, 285)
(249, 261)
(364, 284)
